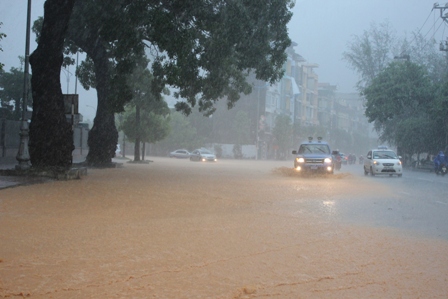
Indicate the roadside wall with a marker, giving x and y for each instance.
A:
(10, 141)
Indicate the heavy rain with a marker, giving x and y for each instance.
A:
(324, 178)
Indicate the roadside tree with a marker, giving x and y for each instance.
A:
(151, 129)
(50, 135)
(11, 92)
(398, 101)
(371, 52)
(146, 108)
(204, 49)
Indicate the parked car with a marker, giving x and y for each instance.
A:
(202, 154)
(180, 154)
(382, 161)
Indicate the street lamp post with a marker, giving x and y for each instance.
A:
(257, 156)
(23, 155)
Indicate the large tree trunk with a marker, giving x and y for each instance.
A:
(51, 136)
(143, 151)
(103, 137)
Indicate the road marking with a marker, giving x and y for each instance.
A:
(441, 202)
(405, 193)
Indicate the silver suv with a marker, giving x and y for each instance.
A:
(314, 156)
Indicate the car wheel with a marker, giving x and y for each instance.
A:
(400, 175)
(371, 172)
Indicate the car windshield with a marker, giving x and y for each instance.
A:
(384, 155)
(314, 149)
(205, 152)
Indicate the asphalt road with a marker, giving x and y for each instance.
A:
(418, 205)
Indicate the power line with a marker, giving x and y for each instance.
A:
(418, 32)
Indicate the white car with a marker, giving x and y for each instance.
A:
(382, 161)
(202, 154)
(180, 154)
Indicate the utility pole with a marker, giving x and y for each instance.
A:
(444, 16)
(443, 46)
(23, 155)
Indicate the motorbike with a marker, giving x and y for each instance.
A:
(338, 162)
(442, 169)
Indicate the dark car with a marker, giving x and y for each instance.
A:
(314, 156)
(202, 154)
(180, 154)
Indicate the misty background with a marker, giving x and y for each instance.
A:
(321, 30)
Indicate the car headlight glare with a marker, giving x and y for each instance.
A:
(376, 162)
(327, 160)
(300, 160)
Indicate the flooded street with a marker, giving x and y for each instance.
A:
(232, 229)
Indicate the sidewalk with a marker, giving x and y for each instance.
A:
(9, 181)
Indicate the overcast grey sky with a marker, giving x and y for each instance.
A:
(321, 29)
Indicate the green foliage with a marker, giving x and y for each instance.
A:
(151, 129)
(205, 49)
(11, 93)
(402, 90)
(411, 135)
(209, 47)
(399, 101)
(402, 101)
(147, 118)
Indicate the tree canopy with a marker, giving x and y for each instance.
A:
(203, 48)
(370, 53)
(404, 85)
(399, 102)
(11, 92)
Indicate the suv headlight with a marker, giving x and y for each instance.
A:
(327, 160)
(376, 162)
(300, 160)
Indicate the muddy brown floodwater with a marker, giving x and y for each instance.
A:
(181, 229)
